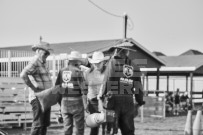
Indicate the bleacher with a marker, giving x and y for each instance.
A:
(15, 110)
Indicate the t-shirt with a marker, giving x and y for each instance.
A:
(183, 98)
(177, 99)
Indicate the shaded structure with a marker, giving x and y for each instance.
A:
(186, 66)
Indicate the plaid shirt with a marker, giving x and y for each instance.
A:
(39, 75)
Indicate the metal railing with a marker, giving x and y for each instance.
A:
(12, 62)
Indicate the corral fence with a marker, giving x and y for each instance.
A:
(154, 105)
(15, 110)
(14, 106)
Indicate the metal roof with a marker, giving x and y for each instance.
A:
(192, 52)
(89, 47)
(179, 65)
(183, 61)
(83, 47)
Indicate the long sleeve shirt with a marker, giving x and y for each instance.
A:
(38, 74)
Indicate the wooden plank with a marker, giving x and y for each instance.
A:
(197, 100)
(20, 108)
(22, 118)
(12, 86)
(157, 116)
(11, 80)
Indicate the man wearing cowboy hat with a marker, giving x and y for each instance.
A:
(37, 77)
(122, 79)
(71, 80)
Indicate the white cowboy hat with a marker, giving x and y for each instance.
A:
(98, 57)
(75, 55)
(42, 45)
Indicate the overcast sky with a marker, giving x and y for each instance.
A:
(169, 26)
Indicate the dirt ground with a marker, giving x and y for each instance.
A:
(151, 126)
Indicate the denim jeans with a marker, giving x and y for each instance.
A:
(124, 108)
(73, 110)
(93, 108)
(41, 120)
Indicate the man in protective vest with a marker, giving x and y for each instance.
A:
(71, 80)
(123, 81)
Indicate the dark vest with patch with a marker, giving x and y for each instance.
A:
(123, 77)
(71, 77)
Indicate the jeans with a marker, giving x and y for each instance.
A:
(41, 120)
(124, 108)
(73, 110)
(93, 108)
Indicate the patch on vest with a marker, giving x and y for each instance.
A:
(66, 76)
(128, 70)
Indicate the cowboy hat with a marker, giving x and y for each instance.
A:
(75, 55)
(98, 57)
(42, 45)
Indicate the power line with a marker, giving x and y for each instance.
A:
(105, 10)
(130, 23)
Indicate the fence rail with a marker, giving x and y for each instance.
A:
(12, 62)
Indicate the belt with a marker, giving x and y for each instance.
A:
(72, 98)
(93, 99)
(122, 95)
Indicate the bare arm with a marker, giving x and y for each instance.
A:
(103, 88)
(107, 72)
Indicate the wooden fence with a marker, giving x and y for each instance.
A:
(14, 106)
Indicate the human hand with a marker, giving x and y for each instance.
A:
(136, 108)
(86, 106)
(60, 119)
(100, 106)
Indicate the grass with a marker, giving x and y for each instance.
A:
(150, 126)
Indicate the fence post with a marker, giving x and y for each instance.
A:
(164, 107)
(54, 68)
(25, 105)
(202, 93)
(9, 63)
(142, 113)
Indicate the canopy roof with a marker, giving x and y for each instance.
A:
(181, 65)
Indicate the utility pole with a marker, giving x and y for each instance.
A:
(125, 20)
(40, 39)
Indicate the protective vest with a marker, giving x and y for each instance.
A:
(70, 80)
(123, 78)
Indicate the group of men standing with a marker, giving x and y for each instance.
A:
(117, 74)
